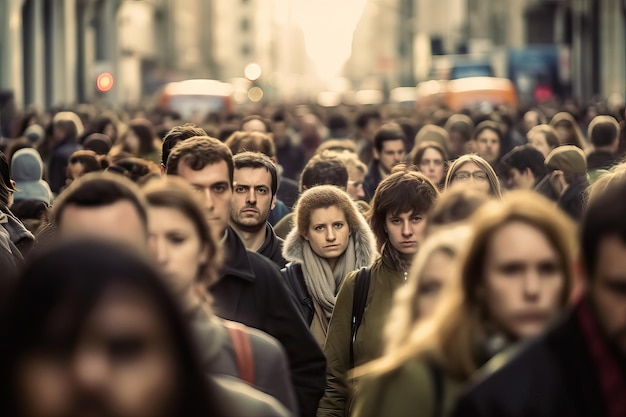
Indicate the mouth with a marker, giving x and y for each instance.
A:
(532, 317)
(250, 211)
(408, 243)
(331, 246)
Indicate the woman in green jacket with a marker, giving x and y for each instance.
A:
(514, 279)
(397, 218)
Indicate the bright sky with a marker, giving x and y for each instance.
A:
(328, 26)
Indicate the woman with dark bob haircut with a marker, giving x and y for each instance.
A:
(94, 330)
(397, 217)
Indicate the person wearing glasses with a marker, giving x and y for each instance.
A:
(430, 158)
(472, 171)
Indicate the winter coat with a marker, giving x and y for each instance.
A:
(372, 179)
(272, 247)
(573, 200)
(552, 376)
(57, 163)
(294, 254)
(242, 400)
(408, 391)
(271, 372)
(251, 291)
(384, 280)
(21, 237)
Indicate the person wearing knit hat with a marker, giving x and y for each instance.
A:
(98, 142)
(26, 171)
(567, 165)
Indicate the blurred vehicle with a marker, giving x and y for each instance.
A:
(195, 99)
(473, 92)
(403, 96)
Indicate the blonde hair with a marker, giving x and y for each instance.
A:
(449, 336)
(494, 184)
(612, 176)
(405, 309)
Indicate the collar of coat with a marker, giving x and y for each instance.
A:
(237, 261)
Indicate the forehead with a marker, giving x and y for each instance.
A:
(611, 258)
(393, 145)
(469, 166)
(119, 221)
(520, 240)
(488, 134)
(210, 174)
(253, 176)
(432, 153)
(327, 214)
(160, 218)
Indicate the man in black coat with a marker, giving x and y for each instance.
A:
(250, 289)
(578, 368)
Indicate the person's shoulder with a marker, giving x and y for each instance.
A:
(263, 266)
(243, 400)
(263, 342)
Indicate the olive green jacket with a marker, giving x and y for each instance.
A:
(368, 345)
(408, 391)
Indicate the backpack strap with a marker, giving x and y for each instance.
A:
(293, 276)
(438, 388)
(243, 351)
(361, 288)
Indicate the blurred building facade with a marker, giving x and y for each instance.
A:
(395, 40)
(52, 50)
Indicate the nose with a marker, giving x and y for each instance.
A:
(532, 285)
(159, 250)
(407, 230)
(208, 200)
(360, 192)
(251, 198)
(330, 234)
(90, 370)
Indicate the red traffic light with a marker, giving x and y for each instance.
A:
(104, 82)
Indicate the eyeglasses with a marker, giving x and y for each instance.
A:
(427, 162)
(466, 175)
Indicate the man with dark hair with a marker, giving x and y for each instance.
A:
(577, 368)
(524, 169)
(389, 150)
(175, 135)
(604, 136)
(254, 186)
(568, 177)
(103, 205)
(250, 289)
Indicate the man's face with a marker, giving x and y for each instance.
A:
(524, 180)
(488, 145)
(119, 222)
(252, 199)
(391, 154)
(213, 184)
(607, 290)
(355, 184)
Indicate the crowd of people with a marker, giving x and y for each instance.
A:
(302, 262)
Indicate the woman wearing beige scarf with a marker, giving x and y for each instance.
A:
(330, 239)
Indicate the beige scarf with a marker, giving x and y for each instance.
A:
(322, 282)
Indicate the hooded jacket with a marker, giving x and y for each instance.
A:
(27, 172)
(364, 244)
(251, 291)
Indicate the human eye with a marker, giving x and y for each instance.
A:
(548, 268)
(512, 268)
(262, 190)
(480, 175)
(416, 219)
(338, 225)
(219, 188)
(240, 189)
(395, 220)
(462, 175)
(318, 227)
(126, 348)
(176, 238)
(429, 287)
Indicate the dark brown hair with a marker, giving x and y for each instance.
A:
(405, 190)
(197, 153)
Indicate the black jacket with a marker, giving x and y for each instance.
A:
(294, 277)
(57, 164)
(601, 160)
(372, 179)
(288, 191)
(251, 291)
(272, 248)
(553, 376)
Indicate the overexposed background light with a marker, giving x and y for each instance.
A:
(328, 26)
